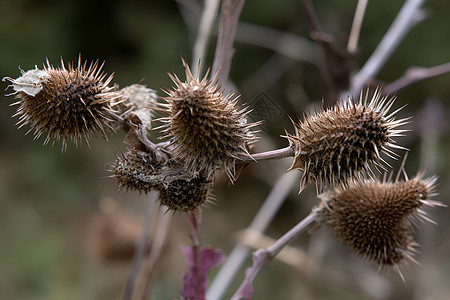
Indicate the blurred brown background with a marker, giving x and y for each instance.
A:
(51, 202)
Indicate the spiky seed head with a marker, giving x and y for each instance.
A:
(375, 218)
(144, 171)
(205, 126)
(67, 103)
(137, 170)
(344, 141)
(184, 194)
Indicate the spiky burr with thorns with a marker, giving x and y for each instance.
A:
(67, 103)
(206, 128)
(344, 141)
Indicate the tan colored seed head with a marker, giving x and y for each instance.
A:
(207, 128)
(144, 171)
(343, 142)
(66, 103)
(184, 194)
(375, 218)
(137, 170)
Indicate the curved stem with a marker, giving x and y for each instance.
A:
(140, 247)
(269, 155)
(263, 256)
(259, 223)
(408, 16)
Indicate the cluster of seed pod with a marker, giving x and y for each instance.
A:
(152, 169)
(336, 148)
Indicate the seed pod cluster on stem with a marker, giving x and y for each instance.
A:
(143, 169)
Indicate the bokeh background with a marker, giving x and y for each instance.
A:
(56, 207)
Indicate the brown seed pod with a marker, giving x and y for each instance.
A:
(145, 171)
(137, 170)
(206, 127)
(67, 103)
(375, 218)
(184, 194)
(343, 142)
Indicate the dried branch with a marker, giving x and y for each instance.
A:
(269, 155)
(153, 260)
(415, 74)
(285, 43)
(352, 44)
(231, 10)
(140, 247)
(259, 223)
(337, 60)
(263, 256)
(409, 15)
(204, 34)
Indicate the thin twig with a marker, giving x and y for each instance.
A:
(352, 44)
(156, 252)
(229, 17)
(337, 61)
(415, 74)
(140, 247)
(259, 223)
(269, 155)
(203, 35)
(320, 35)
(263, 256)
(285, 43)
(408, 16)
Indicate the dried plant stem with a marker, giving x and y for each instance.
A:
(259, 223)
(151, 264)
(352, 44)
(415, 74)
(140, 246)
(195, 219)
(284, 43)
(204, 33)
(263, 256)
(408, 16)
(229, 17)
(320, 36)
(269, 155)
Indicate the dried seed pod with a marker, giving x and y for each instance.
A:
(375, 218)
(137, 170)
(184, 194)
(134, 104)
(144, 171)
(344, 141)
(67, 103)
(206, 127)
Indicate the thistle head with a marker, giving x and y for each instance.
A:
(343, 142)
(144, 171)
(375, 218)
(66, 103)
(207, 128)
(137, 170)
(184, 194)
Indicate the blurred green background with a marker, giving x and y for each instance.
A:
(50, 202)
